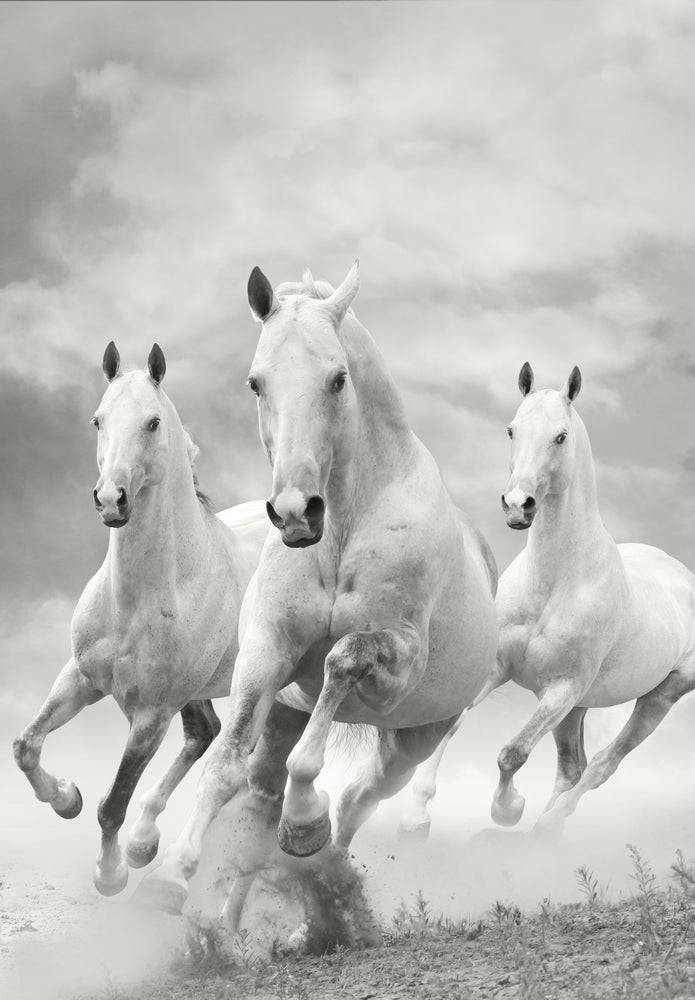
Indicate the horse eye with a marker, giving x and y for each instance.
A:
(561, 437)
(252, 383)
(153, 424)
(338, 382)
(510, 432)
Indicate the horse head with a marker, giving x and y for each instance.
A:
(132, 435)
(543, 447)
(306, 401)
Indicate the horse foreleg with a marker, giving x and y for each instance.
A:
(256, 840)
(648, 712)
(147, 730)
(200, 727)
(416, 822)
(379, 665)
(571, 758)
(261, 669)
(70, 693)
(398, 753)
(556, 702)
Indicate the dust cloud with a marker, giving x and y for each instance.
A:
(59, 940)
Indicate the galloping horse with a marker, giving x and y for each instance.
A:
(157, 626)
(584, 622)
(373, 603)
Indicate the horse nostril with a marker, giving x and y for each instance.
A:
(97, 504)
(505, 505)
(273, 515)
(122, 499)
(529, 504)
(315, 508)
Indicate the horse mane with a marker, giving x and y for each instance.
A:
(193, 451)
(308, 286)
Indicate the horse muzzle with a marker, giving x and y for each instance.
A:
(113, 504)
(519, 515)
(298, 532)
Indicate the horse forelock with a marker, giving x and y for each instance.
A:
(309, 286)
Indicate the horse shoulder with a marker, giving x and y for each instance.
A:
(91, 631)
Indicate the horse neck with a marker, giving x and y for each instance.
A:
(567, 535)
(385, 443)
(165, 540)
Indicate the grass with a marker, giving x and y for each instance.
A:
(642, 948)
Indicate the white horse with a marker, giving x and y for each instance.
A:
(373, 602)
(584, 622)
(157, 626)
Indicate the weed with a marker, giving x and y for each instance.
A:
(588, 884)
(507, 918)
(683, 873)
(645, 879)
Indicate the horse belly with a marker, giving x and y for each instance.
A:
(640, 661)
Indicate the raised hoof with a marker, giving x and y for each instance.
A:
(301, 841)
(113, 883)
(508, 815)
(414, 830)
(74, 804)
(140, 854)
(161, 893)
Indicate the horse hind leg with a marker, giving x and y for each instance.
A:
(648, 712)
(200, 727)
(70, 693)
(397, 755)
(415, 824)
(571, 758)
(379, 665)
(147, 730)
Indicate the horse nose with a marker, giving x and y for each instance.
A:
(121, 499)
(274, 516)
(315, 509)
(299, 521)
(529, 505)
(519, 508)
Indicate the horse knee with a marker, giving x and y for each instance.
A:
(26, 753)
(511, 758)
(351, 657)
(109, 816)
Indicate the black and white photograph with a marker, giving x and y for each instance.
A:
(347, 493)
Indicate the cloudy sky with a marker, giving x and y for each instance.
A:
(514, 177)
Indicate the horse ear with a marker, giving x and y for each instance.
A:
(339, 302)
(156, 365)
(111, 362)
(526, 379)
(570, 390)
(262, 298)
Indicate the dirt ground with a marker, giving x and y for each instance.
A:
(62, 943)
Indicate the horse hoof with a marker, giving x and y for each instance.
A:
(508, 815)
(111, 883)
(140, 854)
(413, 830)
(301, 841)
(73, 806)
(159, 892)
